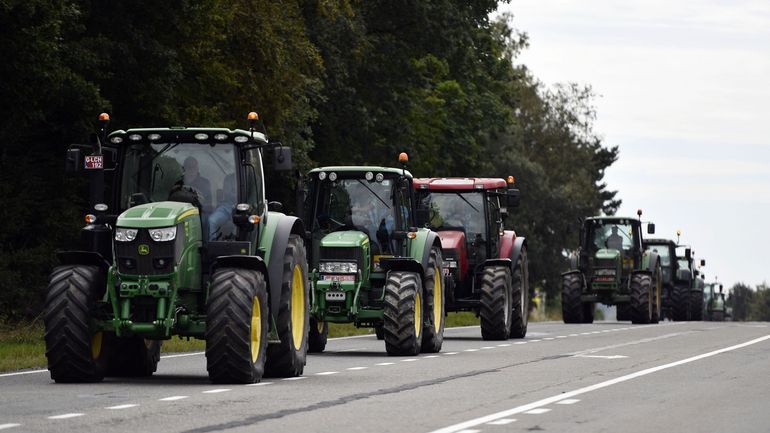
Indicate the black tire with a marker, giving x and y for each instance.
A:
(403, 324)
(718, 316)
(75, 351)
(623, 312)
(520, 297)
(572, 308)
(641, 298)
(133, 356)
(318, 334)
(379, 331)
(435, 312)
(236, 326)
(496, 303)
(589, 308)
(657, 288)
(696, 305)
(679, 302)
(287, 358)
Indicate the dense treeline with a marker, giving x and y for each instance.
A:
(750, 304)
(341, 81)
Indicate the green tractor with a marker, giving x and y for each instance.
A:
(612, 267)
(714, 302)
(371, 265)
(180, 241)
(669, 265)
(687, 294)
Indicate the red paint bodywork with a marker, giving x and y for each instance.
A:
(506, 244)
(454, 240)
(454, 183)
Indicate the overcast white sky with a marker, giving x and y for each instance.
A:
(685, 92)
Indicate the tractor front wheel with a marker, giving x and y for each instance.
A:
(317, 336)
(496, 303)
(679, 301)
(433, 336)
(75, 352)
(287, 358)
(520, 297)
(696, 305)
(403, 323)
(572, 307)
(236, 326)
(642, 298)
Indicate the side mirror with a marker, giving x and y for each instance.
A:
(703, 262)
(282, 158)
(74, 161)
(513, 197)
(651, 228)
(275, 206)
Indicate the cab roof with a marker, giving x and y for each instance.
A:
(659, 241)
(176, 133)
(611, 219)
(361, 169)
(459, 183)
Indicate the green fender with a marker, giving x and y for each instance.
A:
(273, 239)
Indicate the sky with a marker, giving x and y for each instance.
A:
(683, 89)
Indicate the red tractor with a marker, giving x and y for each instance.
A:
(486, 264)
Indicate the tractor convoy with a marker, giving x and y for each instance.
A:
(181, 241)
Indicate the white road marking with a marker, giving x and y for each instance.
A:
(534, 341)
(357, 368)
(471, 350)
(601, 356)
(431, 356)
(537, 411)
(174, 398)
(487, 347)
(326, 373)
(66, 416)
(295, 378)
(217, 391)
(567, 395)
(504, 345)
(504, 421)
(409, 360)
(385, 363)
(451, 353)
(561, 336)
(9, 425)
(121, 406)
(182, 355)
(568, 401)
(594, 332)
(549, 338)
(19, 373)
(469, 431)
(573, 335)
(585, 333)
(260, 384)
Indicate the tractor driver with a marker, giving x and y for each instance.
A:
(614, 240)
(193, 178)
(223, 214)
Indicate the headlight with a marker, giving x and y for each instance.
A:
(338, 267)
(125, 235)
(164, 234)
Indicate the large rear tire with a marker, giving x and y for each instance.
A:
(433, 335)
(496, 303)
(520, 297)
(318, 334)
(379, 332)
(657, 288)
(679, 301)
(402, 315)
(75, 352)
(133, 356)
(572, 308)
(696, 305)
(236, 326)
(287, 358)
(641, 298)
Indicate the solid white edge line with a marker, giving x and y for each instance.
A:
(546, 401)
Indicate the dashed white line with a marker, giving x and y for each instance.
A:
(451, 353)
(66, 416)
(174, 398)
(537, 411)
(573, 335)
(260, 384)
(487, 347)
(326, 373)
(534, 341)
(409, 360)
(295, 378)
(9, 425)
(121, 406)
(357, 368)
(520, 342)
(568, 401)
(585, 333)
(385, 363)
(217, 391)
(561, 336)
(504, 421)
(504, 345)
(471, 350)
(431, 356)
(548, 338)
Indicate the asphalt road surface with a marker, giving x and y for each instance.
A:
(604, 377)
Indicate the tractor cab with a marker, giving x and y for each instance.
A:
(666, 250)
(612, 248)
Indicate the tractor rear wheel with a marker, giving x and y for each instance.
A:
(696, 305)
(402, 315)
(132, 356)
(379, 331)
(572, 307)
(496, 303)
(433, 336)
(75, 352)
(679, 301)
(657, 287)
(641, 298)
(589, 308)
(317, 336)
(520, 297)
(287, 358)
(236, 326)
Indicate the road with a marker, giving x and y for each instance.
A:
(604, 377)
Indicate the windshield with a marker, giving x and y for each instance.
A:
(683, 263)
(663, 253)
(357, 204)
(614, 236)
(156, 172)
(454, 210)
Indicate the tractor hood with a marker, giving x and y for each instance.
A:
(452, 240)
(343, 239)
(155, 215)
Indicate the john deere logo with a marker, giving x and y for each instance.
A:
(144, 249)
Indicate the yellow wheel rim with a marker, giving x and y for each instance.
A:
(256, 329)
(417, 314)
(320, 326)
(297, 307)
(438, 294)
(96, 345)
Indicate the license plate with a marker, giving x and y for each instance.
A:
(93, 162)
(338, 277)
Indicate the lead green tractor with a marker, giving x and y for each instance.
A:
(180, 241)
(371, 265)
(612, 267)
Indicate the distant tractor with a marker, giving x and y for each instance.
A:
(487, 265)
(687, 296)
(666, 250)
(371, 265)
(179, 242)
(714, 302)
(612, 267)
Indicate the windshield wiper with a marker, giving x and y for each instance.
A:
(374, 193)
(146, 165)
(466, 200)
